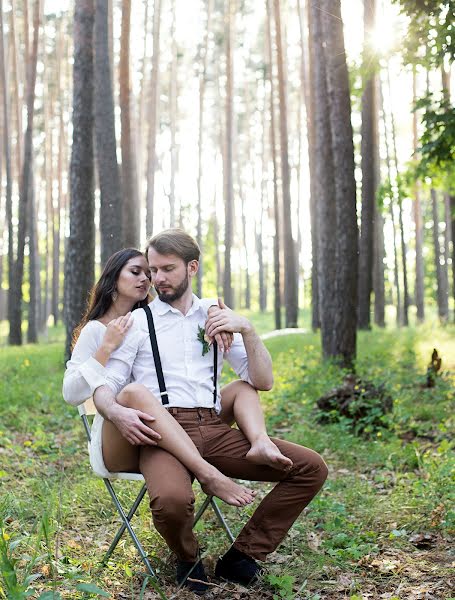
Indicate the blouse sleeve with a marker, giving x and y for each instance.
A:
(84, 373)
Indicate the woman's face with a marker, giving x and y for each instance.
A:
(134, 280)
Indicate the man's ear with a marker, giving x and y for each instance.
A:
(193, 267)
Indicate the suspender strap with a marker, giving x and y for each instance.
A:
(215, 369)
(156, 356)
(159, 368)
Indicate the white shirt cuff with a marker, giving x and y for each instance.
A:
(94, 373)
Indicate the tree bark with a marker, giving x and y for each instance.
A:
(227, 155)
(131, 213)
(80, 251)
(173, 104)
(202, 82)
(7, 161)
(324, 184)
(34, 268)
(370, 157)
(154, 111)
(442, 296)
(290, 282)
(417, 214)
(106, 145)
(273, 151)
(345, 324)
(310, 100)
(15, 298)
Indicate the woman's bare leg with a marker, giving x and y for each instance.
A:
(176, 441)
(240, 403)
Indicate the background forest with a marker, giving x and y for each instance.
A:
(309, 146)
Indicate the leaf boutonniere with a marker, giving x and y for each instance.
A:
(204, 339)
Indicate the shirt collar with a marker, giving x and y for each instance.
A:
(163, 307)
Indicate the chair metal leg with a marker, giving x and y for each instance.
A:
(126, 525)
(211, 500)
(221, 519)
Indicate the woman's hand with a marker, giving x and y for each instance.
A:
(116, 331)
(114, 335)
(224, 339)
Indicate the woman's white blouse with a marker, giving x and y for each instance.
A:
(82, 376)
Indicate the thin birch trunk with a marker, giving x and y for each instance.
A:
(417, 214)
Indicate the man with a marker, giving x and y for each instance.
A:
(173, 258)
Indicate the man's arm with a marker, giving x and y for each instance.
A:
(259, 360)
(129, 421)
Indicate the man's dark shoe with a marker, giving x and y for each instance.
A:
(237, 567)
(194, 571)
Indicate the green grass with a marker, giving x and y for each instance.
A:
(354, 540)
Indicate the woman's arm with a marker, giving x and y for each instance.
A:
(86, 369)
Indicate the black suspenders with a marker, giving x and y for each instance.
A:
(159, 368)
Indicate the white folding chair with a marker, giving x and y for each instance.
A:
(85, 411)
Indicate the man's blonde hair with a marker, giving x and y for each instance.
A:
(175, 241)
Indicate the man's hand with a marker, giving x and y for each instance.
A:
(130, 423)
(226, 320)
(224, 339)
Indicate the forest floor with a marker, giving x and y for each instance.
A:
(381, 528)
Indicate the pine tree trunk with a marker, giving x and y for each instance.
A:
(106, 145)
(34, 268)
(378, 270)
(227, 155)
(173, 96)
(80, 250)
(7, 160)
(324, 185)
(290, 282)
(131, 213)
(15, 298)
(202, 82)
(345, 324)
(17, 97)
(370, 157)
(153, 118)
(310, 100)
(442, 296)
(273, 150)
(417, 214)
(452, 214)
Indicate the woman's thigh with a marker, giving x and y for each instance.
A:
(118, 454)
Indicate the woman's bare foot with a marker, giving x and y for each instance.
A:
(216, 484)
(264, 452)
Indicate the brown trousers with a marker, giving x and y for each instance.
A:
(169, 484)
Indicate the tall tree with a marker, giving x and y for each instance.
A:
(34, 305)
(345, 338)
(173, 116)
(131, 213)
(153, 116)
(324, 184)
(309, 97)
(7, 160)
(15, 296)
(106, 148)
(417, 215)
(202, 85)
(290, 281)
(442, 292)
(370, 157)
(228, 155)
(80, 249)
(273, 151)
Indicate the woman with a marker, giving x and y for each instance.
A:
(123, 286)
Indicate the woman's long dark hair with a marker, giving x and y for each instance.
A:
(100, 296)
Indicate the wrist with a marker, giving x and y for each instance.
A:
(247, 328)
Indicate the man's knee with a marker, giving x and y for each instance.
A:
(172, 506)
(311, 464)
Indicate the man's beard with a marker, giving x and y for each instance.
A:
(176, 294)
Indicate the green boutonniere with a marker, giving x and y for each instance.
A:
(204, 339)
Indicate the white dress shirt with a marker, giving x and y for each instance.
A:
(188, 375)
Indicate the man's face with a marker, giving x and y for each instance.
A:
(171, 276)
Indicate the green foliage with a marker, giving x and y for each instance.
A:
(437, 143)
(380, 490)
(431, 26)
